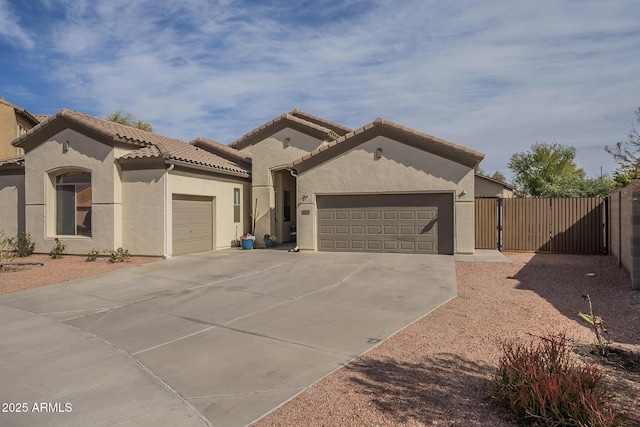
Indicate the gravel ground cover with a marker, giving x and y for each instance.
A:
(18, 278)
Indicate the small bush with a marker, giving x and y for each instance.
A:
(58, 249)
(93, 255)
(542, 385)
(119, 255)
(22, 242)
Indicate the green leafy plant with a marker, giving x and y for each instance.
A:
(22, 242)
(58, 249)
(93, 255)
(597, 326)
(7, 251)
(542, 384)
(119, 255)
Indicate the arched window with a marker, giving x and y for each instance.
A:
(73, 204)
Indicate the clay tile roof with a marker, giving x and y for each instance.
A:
(41, 117)
(296, 122)
(152, 145)
(24, 113)
(12, 161)
(221, 149)
(427, 142)
(339, 129)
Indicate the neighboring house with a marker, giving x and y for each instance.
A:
(382, 188)
(489, 187)
(102, 185)
(14, 121)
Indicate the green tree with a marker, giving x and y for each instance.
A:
(128, 119)
(497, 175)
(627, 155)
(543, 166)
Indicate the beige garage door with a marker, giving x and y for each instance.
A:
(192, 224)
(415, 223)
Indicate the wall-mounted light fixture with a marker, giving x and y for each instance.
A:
(379, 153)
(65, 146)
(462, 193)
(287, 141)
(305, 196)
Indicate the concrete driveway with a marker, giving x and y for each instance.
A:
(221, 337)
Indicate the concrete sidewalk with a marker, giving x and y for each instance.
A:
(231, 333)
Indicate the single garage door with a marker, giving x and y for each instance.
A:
(411, 223)
(192, 224)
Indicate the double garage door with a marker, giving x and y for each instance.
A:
(411, 223)
(192, 224)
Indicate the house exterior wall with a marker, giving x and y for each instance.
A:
(269, 155)
(402, 169)
(12, 202)
(48, 159)
(8, 131)
(143, 212)
(226, 232)
(488, 188)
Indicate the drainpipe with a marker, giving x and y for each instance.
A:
(294, 173)
(167, 206)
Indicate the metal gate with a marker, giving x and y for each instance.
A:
(568, 225)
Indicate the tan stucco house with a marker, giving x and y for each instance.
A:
(14, 121)
(489, 187)
(101, 185)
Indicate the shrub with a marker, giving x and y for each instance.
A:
(93, 255)
(7, 251)
(119, 255)
(22, 242)
(541, 384)
(58, 249)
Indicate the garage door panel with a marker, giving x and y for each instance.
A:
(192, 224)
(417, 223)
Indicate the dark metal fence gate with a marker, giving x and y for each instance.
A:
(568, 225)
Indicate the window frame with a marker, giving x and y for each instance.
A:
(66, 207)
(237, 205)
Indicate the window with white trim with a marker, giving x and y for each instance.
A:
(236, 205)
(73, 204)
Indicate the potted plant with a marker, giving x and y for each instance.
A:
(246, 240)
(270, 240)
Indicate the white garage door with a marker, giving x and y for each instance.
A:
(411, 223)
(192, 224)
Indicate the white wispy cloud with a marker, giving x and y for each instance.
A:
(11, 29)
(494, 76)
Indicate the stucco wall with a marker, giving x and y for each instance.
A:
(11, 203)
(624, 230)
(402, 169)
(143, 213)
(220, 187)
(48, 159)
(487, 188)
(268, 155)
(7, 131)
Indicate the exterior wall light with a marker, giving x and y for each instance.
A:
(379, 153)
(65, 146)
(287, 141)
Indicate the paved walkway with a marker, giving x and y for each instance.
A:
(221, 337)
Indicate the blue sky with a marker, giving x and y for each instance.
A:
(494, 76)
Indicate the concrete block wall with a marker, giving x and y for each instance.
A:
(624, 229)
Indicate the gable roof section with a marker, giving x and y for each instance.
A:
(381, 127)
(335, 127)
(151, 144)
(283, 121)
(21, 111)
(221, 150)
(497, 181)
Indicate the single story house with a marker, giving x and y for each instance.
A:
(101, 185)
(490, 187)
